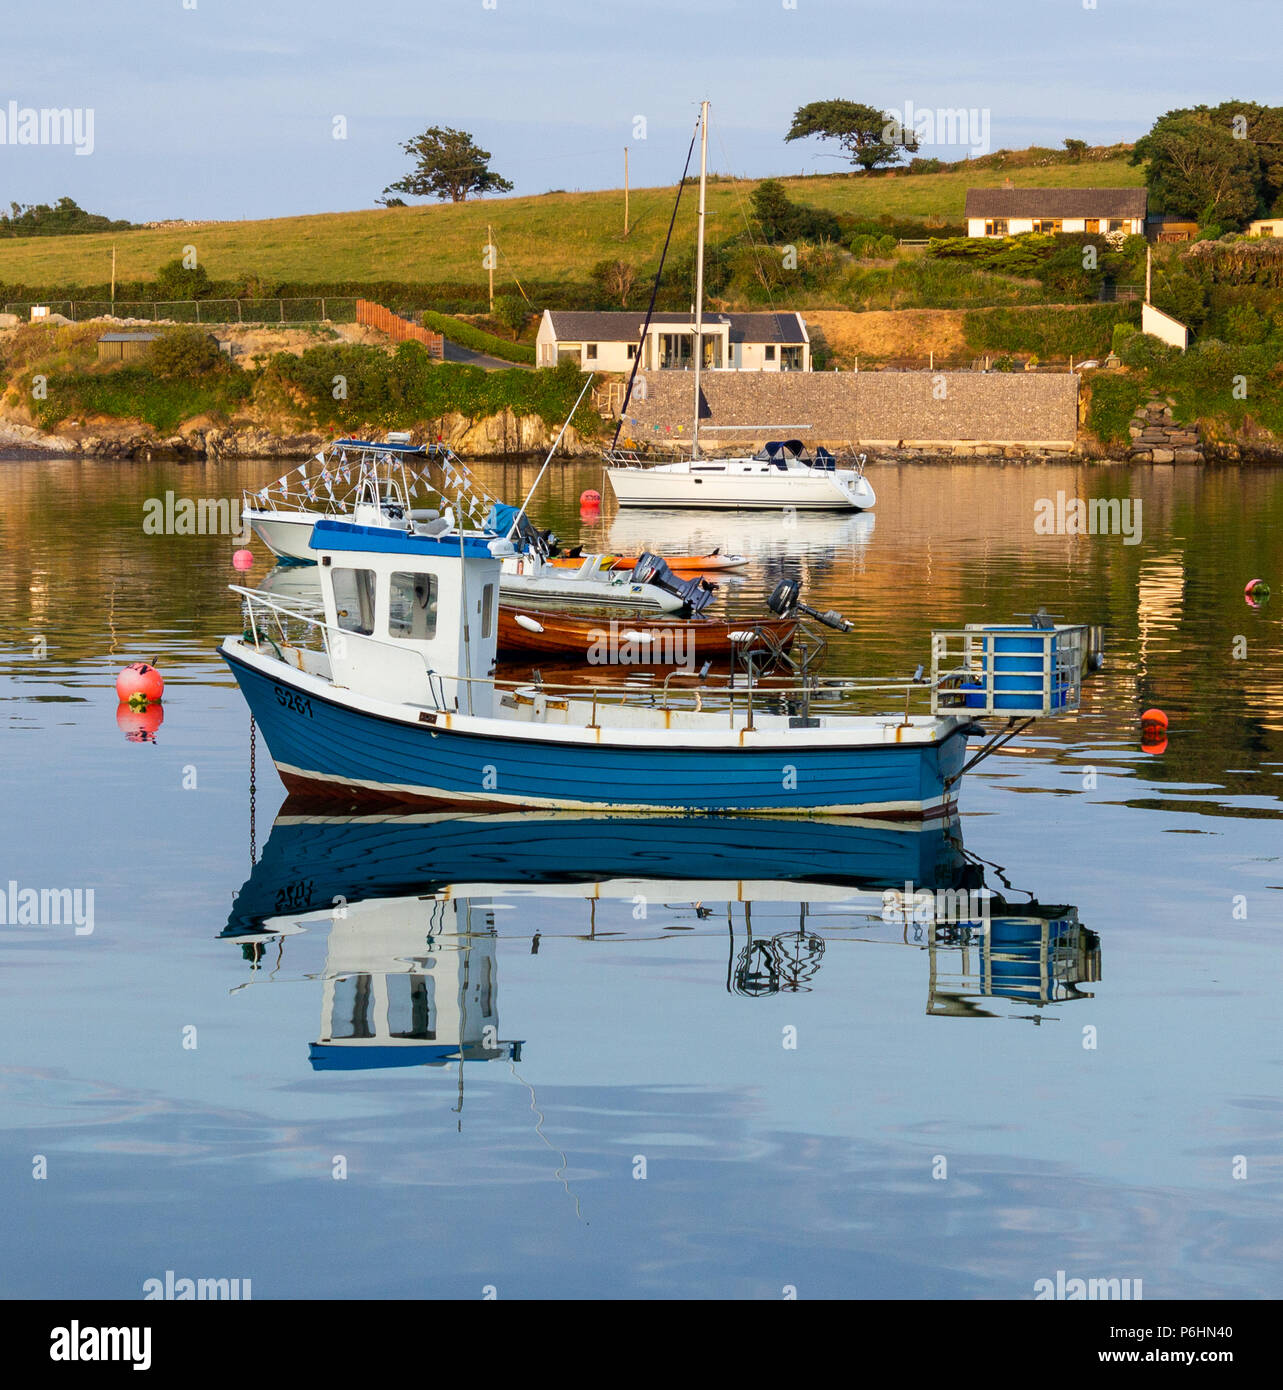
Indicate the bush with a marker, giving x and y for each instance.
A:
(1144, 350)
(1114, 397)
(184, 353)
(1050, 331)
(175, 281)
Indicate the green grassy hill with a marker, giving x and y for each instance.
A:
(555, 236)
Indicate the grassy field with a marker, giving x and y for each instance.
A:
(553, 236)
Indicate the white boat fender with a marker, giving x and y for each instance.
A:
(528, 623)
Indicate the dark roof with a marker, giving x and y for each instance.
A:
(624, 326)
(1056, 202)
(128, 337)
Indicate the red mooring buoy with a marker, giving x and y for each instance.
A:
(243, 560)
(590, 497)
(140, 681)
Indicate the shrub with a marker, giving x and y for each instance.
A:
(175, 281)
(184, 353)
(1146, 351)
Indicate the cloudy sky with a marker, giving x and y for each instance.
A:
(226, 108)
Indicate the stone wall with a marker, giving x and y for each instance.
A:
(880, 409)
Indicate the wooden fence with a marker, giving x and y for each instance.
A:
(397, 328)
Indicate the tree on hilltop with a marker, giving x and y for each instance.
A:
(448, 164)
(869, 136)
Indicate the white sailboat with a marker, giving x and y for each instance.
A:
(783, 474)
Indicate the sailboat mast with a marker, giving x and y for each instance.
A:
(698, 345)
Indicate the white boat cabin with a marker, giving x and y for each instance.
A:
(412, 618)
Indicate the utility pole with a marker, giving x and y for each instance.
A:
(490, 259)
(1149, 270)
(113, 278)
(625, 190)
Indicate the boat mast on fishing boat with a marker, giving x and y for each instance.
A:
(783, 474)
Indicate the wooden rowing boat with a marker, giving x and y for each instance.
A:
(638, 639)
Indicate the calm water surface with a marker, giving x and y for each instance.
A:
(693, 1067)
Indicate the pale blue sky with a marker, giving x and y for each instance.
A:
(226, 110)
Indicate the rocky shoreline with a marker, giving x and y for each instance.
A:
(1154, 438)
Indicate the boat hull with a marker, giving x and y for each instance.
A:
(287, 534)
(814, 490)
(650, 641)
(327, 746)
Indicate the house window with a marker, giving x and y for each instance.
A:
(791, 359)
(632, 351)
(1091, 224)
(996, 226)
(412, 606)
(675, 350)
(590, 351)
(1047, 224)
(1117, 224)
(770, 352)
(1266, 229)
(354, 600)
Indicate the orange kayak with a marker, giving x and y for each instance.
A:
(687, 564)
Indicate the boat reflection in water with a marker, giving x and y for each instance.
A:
(409, 906)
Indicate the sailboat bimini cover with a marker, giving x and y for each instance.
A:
(697, 594)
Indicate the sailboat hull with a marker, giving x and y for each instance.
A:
(731, 488)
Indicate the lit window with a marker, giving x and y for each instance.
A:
(1091, 224)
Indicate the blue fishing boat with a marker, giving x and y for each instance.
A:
(389, 697)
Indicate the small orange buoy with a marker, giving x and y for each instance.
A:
(1153, 719)
(139, 682)
(590, 497)
(243, 559)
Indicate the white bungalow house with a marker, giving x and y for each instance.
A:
(609, 341)
(1266, 226)
(996, 212)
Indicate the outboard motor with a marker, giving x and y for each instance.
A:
(696, 594)
(785, 602)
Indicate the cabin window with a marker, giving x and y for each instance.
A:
(487, 610)
(353, 1013)
(354, 600)
(996, 226)
(410, 1007)
(412, 606)
(770, 352)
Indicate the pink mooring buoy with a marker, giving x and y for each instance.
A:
(243, 559)
(140, 681)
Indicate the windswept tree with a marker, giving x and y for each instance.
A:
(870, 137)
(447, 164)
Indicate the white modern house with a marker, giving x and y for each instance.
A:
(1266, 226)
(996, 212)
(609, 341)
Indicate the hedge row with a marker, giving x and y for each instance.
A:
(469, 336)
(1077, 330)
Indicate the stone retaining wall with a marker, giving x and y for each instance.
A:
(884, 409)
